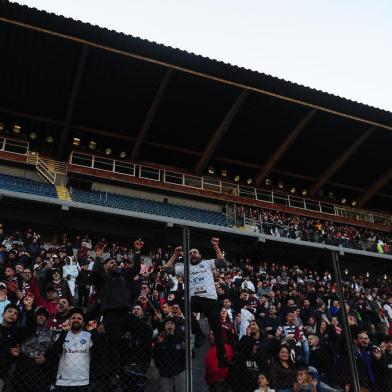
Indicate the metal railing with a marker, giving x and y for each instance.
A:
(211, 184)
(296, 233)
(52, 165)
(44, 171)
(15, 146)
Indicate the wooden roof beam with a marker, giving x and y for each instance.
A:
(280, 151)
(339, 162)
(374, 188)
(151, 114)
(219, 133)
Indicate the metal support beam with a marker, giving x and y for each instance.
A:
(339, 162)
(151, 114)
(71, 104)
(187, 311)
(219, 133)
(190, 71)
(279, 152)
(375, 187)
(29, 116)
(346, 327)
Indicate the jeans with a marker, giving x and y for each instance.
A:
(177, 383)
(305, 350)
(83, 388)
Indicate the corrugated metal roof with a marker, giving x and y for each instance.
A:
(188, 59)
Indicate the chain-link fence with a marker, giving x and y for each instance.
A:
(271, 316)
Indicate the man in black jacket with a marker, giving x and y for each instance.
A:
(33, 371)
(169, 358)
(383, 365)
(364, 358)
(135, 353)
(114, 290)
(11, 335)
(83, 282)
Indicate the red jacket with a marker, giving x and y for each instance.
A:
(32, 287)
(213, 372)
(51, 307)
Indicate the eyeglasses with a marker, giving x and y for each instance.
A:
(27, 272)
(144, 287)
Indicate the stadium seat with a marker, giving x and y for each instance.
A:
(150, 207)
(26, 185)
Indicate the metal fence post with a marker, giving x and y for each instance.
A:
(188, 312)
(346, 327)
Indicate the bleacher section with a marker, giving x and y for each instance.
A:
(298, 228)
(150, 207)
(26, 185)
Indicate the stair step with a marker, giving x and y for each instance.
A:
(63, 193)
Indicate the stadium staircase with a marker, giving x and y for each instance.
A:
(63, 193)
(53, 172)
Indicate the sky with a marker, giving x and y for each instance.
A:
(339, 46)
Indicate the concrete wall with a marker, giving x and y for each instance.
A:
(21, 172)
(155, 196)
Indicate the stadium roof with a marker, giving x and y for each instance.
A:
(66, 79)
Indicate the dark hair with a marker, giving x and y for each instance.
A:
(266, 375)
(11, 306)
(76, 310)
(167, 319)
(387, 339)
(59, 270)
(290, 360)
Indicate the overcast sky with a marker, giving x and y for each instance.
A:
(339, 46)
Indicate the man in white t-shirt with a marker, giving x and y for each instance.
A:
(73, 345)
(202, 290)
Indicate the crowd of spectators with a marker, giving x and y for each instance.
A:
(282, 224)
(84, 316)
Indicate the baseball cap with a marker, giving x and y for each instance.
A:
(41, 310)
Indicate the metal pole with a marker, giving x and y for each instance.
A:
(187, 311)
(346, 327)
